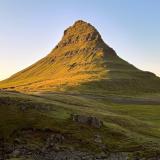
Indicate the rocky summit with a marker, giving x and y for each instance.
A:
(82, 60)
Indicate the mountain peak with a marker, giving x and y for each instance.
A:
(79, 32)
(81, 22)
(81, 57)
(81, 26)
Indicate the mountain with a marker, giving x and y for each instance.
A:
(104, 113)
(82, 60)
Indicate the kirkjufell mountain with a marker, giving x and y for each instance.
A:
(82, 60)
(81, 101)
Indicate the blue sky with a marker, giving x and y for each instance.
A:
(29, 29)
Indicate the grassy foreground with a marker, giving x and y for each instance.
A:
(127, 127)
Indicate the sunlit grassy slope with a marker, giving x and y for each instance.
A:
(127, 126)
(83, 62)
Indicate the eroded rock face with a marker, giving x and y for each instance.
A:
(88, 120)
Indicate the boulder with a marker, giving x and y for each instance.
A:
(88, 120)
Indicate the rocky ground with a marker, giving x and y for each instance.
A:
(53, 149)
(54, 146)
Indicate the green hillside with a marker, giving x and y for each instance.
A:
(128, 127)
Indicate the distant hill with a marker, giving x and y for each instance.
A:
(83, 62)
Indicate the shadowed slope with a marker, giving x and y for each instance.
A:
(82, 57)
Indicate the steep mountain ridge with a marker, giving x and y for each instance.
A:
(79, 58)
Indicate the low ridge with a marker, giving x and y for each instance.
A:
(82, 60)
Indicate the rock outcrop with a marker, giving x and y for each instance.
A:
(55, 146)
(87, 120)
